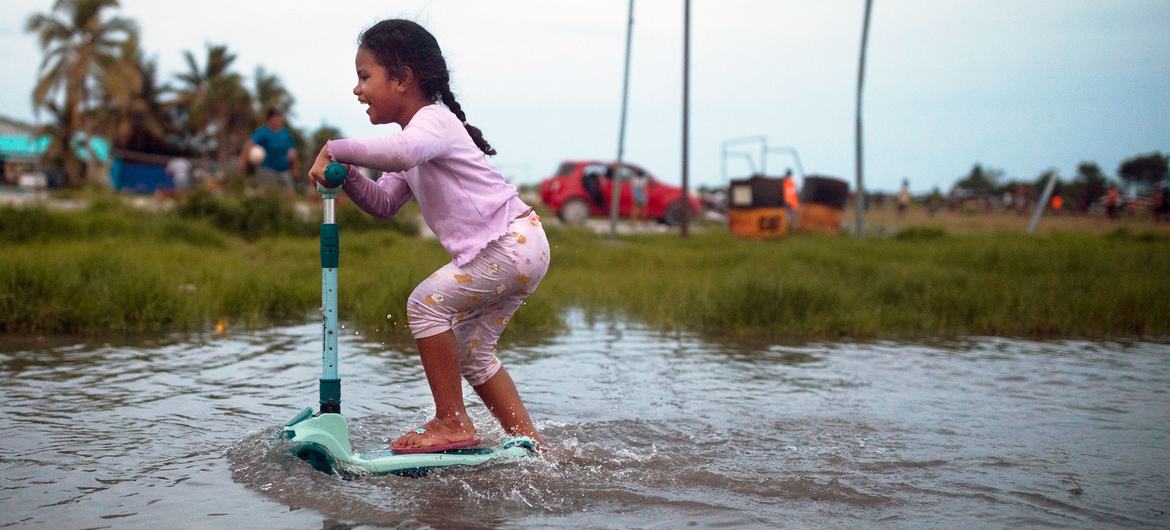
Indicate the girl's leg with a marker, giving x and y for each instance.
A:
(440, 360)
(501, 397)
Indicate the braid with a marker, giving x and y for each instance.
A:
(473, 131)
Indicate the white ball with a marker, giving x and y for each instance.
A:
(256, 154)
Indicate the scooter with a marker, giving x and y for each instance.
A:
(322, 439)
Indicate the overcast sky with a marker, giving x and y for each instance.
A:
(1021, 85)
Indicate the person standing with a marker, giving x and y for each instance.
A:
(934, 202)
(1161, 203)
(280, 153)
(179, 169)
(903, 198)
(638, 182)
(791, 199)
(1113, 202)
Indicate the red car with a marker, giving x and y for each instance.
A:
(581, 189)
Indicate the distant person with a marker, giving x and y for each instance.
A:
(280, 153)
(179, 169)
(638, 183)
(791, 198)
(499, 252)
(934, 202)
(903, 198)
(1021, 201)
(1160, 206)
(1057, 204)
(592, 187)
(1113, 202)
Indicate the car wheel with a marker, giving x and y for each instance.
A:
(675, 211)
(575, 212)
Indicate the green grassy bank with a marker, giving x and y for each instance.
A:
(116, 269)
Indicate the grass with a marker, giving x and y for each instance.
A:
(928, 284)
(112, 268)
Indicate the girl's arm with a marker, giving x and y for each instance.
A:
(423, 139)
(380, 199)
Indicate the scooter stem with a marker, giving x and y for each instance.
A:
(330, 389)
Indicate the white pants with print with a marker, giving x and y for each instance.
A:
(476, 300)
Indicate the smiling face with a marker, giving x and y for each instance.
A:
(385, 96)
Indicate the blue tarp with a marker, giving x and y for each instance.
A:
(139, 178)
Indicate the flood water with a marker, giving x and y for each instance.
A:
(650, 430)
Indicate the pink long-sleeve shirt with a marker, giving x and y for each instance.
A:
(464, 200)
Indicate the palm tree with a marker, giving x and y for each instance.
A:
(270, 93)
(132, 112)
(81, 45)
(218, 109)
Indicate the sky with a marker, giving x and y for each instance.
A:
(1020, 85)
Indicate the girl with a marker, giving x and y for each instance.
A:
(498, 248)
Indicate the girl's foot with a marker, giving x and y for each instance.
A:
(438, 435)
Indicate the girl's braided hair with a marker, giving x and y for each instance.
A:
(397, 43)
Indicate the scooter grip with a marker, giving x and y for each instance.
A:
(335, 174)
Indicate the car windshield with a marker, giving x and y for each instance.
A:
(565, 169)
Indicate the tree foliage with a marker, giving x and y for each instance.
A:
(95, 80)
(980, 181)
(1148, 169)
(1088, 186)
(85, 61)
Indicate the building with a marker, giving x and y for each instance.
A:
(21, 148)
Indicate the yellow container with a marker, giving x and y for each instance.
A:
(759, 222)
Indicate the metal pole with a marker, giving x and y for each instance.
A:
(686, 112)
(1042, 204)
(330, 382)
(615, 181)
(750, 161)
(742, 140)
(723, 162)
(859, 202)
(795, 156)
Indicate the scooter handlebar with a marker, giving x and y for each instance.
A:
(335, 174)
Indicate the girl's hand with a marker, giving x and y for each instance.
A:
(317, 172)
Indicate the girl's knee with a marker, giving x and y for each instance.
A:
(427, 312)
(478, 373)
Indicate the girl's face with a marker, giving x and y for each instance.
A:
(375, 88)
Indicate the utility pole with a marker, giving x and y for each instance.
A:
(859, 201)
(615, 181)
(686, 112)
(1040, 206)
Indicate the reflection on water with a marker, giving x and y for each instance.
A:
(650, 429)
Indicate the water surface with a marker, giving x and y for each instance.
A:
(651, 429)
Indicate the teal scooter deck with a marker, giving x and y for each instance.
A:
(322, 439)
(323, 442)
